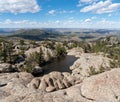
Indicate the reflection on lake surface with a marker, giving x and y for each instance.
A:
(61, 65)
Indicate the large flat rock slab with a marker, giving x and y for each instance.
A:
(104, 87)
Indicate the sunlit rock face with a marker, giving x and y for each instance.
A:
(23, 87)
(103, 87)
(6, 68)
(53, 81)
(87, 60)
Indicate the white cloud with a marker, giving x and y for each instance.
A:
(87, 20)
(10, 22)
(51, 12)
(82, 2)
(94, 17)
(64, 11)
(101, 7)
(19, 6)
(87, 1)
(67, 23)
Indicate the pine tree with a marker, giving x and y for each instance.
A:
(40, 57)
(60, 50)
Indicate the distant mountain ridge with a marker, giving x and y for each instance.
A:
(61, 33)
(34, 34)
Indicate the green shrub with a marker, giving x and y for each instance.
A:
(94, 72)
(60, 50)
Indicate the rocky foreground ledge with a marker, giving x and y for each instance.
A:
(23, 87)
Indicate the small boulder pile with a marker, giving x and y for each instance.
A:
(53, 81)
(6, 68)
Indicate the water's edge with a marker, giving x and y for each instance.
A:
(61, 65)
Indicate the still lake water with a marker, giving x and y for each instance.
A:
(61, 65)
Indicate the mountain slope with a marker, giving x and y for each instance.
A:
(34, 34)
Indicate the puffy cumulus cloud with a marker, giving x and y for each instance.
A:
(87, 1)
(94, 17)
(59, 11)
(81, 2)
(101, 7)
(64, 11)
(87, 20)
(19, 6)
(51, 12)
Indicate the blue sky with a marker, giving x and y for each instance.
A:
(59, 13)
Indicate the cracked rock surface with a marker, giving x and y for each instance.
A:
(87, 60)
(53, 81)
(23, 87)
